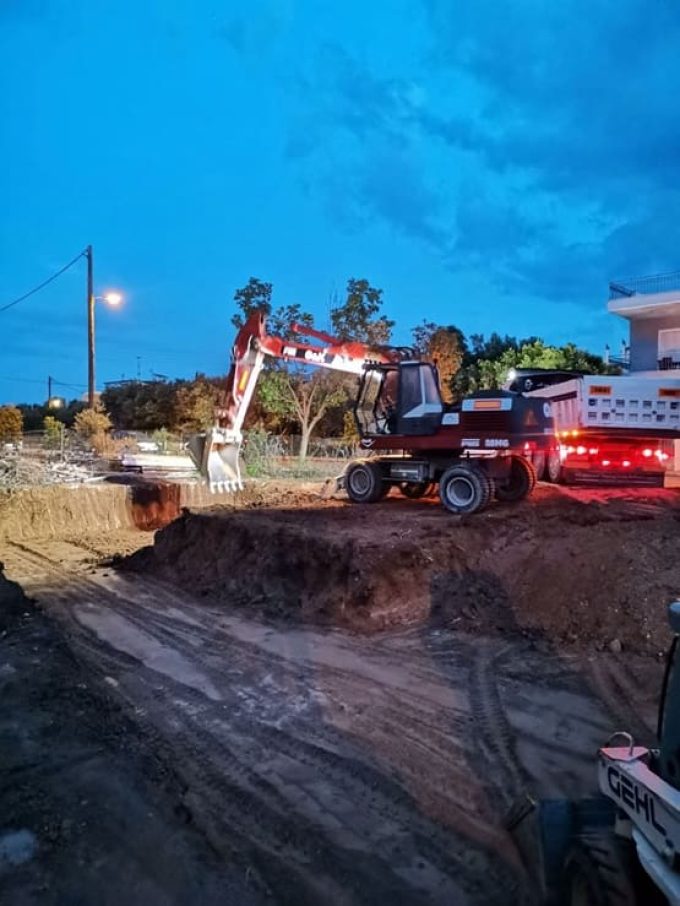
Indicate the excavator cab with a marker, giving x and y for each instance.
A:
(401, 398)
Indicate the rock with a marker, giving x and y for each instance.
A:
(615, 646)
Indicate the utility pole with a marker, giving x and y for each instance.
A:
(90, 328)
(49, 389)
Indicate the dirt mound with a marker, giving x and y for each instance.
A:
(579, 566)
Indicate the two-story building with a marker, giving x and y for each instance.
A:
(651, 305)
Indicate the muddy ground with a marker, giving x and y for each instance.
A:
(282, 755)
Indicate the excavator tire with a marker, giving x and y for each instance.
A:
(414, 490)
(364, 484)
(465, 488)
(599, 871)
(521, 483)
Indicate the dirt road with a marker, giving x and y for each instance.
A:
(333, 768)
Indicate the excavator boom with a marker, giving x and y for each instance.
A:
(216, 453)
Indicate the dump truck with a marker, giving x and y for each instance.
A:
(609, 429)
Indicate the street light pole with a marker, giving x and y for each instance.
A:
(90, 328)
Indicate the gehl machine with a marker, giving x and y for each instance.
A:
(472, 451)
(621, 848)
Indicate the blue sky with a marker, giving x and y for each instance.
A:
(488, 163)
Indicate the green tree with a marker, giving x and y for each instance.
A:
(282, 319)
(52, 432)
(11, 423)
(359, 318)
(489, 373)
(446, 347)
(143, 406)
(301, 399)
(256, 295)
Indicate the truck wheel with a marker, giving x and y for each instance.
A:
(364, 484)
(414, 490)
(538, 461)
(521, 482)
(553, 468)
(598, 871)
(464, 488)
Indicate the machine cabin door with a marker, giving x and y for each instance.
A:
(420, 405)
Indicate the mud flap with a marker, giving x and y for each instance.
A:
(216, 456)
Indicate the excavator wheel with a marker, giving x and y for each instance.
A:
(465, 488)
(414, 490)
(364, 484)
(599, 871)
(521, 482)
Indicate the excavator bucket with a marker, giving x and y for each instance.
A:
(216, 456)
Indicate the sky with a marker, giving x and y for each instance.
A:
(488, 163)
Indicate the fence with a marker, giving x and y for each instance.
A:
(656, 283)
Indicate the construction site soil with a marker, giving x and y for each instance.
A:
(590, 567)
(292, 700)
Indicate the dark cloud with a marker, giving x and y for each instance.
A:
(541, 141)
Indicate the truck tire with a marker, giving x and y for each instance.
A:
(465, 488)
(538, 461)
(599, 871)
(364, 484)
(414, 490)
(521, 482)
(553, 468)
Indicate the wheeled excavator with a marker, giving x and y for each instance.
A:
(472, 451)
(622, 847)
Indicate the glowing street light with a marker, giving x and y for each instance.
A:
(111, 298)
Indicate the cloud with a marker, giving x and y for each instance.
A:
(538, 141)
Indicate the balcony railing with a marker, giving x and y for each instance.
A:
(658, 283)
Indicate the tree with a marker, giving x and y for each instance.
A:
(52, 432)
(311, 397)
(194, 405)
(92, 424)
(141, 406)
(282, 319)
(255, 295)
(302, 398)
(11, 423)
(446, 347)
(358, 317)
(489, 373)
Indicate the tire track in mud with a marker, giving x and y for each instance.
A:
(319, 764)
(287, 850)
(495, 735)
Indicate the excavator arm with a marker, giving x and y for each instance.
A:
(216, 453)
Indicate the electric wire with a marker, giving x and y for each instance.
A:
(40, 286)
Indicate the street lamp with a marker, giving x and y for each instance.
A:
(111, 298)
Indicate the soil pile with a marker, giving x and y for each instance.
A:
(592, 567)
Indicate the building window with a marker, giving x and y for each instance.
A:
(669, 348)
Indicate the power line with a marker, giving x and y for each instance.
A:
(43, 284)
